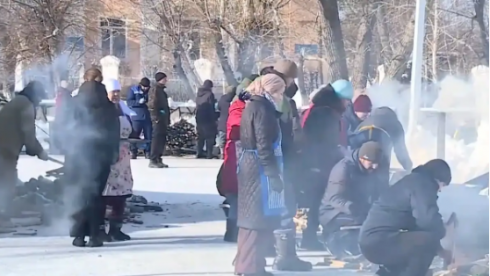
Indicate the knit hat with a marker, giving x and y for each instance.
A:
(439, 169)
(207, 84)
(112, 85)
(160, 76)
(286, 67)
(362, 104)
(371, 151)
(145, 82)
(344, 89)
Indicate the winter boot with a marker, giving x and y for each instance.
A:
(231, 234)
(79, 242)
(95, 241)
(286, 258)
(115, 231)
(147, 155)
(155, 165)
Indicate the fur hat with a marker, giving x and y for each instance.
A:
(286, 67)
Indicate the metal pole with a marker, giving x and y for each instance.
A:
(417, 64)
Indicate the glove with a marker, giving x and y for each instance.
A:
(142, 101)
(276, 184)
(43, 156)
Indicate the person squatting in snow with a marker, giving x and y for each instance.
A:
(18, 130)
(93, 131)
(262, 207)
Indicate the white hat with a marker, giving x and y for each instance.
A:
(112, 85)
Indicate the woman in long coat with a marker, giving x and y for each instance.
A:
(120, 182)
(260, 186)
(94, 136)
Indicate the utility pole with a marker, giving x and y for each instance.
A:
(417, 63)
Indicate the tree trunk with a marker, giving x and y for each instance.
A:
(223, 58)
(384, 35)
(400, 58)
(246, 56)
(362, 60)
(301, 77)
(479, 8)
(435, 40)
(334, 41)
(182, 75)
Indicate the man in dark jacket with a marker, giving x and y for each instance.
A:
(320, 152)
(347, 197)
(206, 117)
(137, 100)
(383, 127)
(160, 118)
(223, 107)
(403, 229)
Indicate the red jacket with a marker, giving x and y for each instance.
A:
(229, 175)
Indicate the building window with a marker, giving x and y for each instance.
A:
(113, 37)
(306, 49)
(74, 44)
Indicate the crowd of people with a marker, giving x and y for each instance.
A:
(333, 159)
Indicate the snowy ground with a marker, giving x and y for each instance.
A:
(184, 240)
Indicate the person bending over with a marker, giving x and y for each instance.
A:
(403, 229)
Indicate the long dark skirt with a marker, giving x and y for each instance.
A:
(251, 251)
(117, 204)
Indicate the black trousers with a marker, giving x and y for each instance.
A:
(144, 126)
(402, 253)
(158, 139)
(90, 217)
(209, 142)
(314, 192)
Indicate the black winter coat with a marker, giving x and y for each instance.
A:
(410, 204)
(93, 134)
(348, 191)
(259, 130)
(223, 108)
(321, 132)
(158, 105)
(385, 118)
(206, 115)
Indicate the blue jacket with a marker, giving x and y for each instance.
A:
(137, 100)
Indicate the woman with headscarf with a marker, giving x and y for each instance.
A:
(228, 176)
(322, 134)
(94, 147)
(119, 185)
(260, 186)
(206, 120)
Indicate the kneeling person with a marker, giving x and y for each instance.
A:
(347, 197)
(403, 229)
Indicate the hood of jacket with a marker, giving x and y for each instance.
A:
(202, 92)
(326, 97)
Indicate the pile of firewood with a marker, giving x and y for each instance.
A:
(181, 135)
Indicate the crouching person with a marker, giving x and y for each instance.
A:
(403, 229)
(120, 182)
(347, 198)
